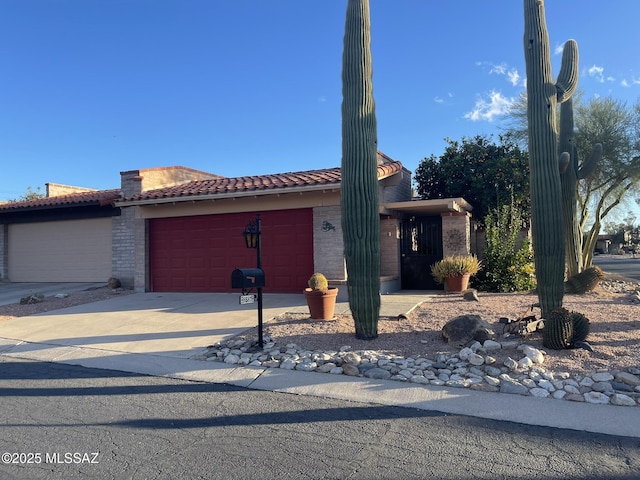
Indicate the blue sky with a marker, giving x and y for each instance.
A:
(90, 88)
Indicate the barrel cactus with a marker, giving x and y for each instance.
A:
(359, 187)
(558, 329)
(543, 94)
(584, 281)
(564, 329)
(581, 327)
(318, 282)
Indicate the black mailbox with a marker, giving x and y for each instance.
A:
(247, 278)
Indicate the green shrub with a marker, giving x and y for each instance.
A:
(507, 266)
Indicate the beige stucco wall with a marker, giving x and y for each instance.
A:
(249, 204)
(56, 189)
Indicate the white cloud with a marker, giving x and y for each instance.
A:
(439, 99)
(624, 83)
(514, 77)
(502, 69)
(322, 99)
(559, 49)
(498, 69)
(636, 81)
(489, 108)
(597, 73)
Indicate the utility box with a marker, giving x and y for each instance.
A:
(245, 278)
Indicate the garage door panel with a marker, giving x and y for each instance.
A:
(211, 246)
(65, 251)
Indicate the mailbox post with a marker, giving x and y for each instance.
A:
(252, 237)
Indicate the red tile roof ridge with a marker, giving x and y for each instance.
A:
(102, 197)
(253, 183)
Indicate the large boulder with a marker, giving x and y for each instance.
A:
(466, 328)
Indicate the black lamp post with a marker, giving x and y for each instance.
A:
(252, 237)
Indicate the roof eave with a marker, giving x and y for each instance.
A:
(221, 196)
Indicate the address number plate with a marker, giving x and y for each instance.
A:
(246, 299)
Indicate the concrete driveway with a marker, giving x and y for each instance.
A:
(167, 324)
(177, 325)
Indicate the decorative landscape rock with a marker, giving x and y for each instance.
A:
(462, 370)
(471, 295)
(466, 328)
(31, 299)
(628, 378)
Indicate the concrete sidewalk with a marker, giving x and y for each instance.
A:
(158, 333)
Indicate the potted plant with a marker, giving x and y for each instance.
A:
(454, 271)
(321, 299)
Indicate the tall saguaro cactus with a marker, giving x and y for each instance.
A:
(569, 177)
(543, 94)
(359, 190)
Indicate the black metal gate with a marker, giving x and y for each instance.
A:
(420, 247)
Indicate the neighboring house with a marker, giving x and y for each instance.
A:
(180, 230)
(604, 244)
(60, 238)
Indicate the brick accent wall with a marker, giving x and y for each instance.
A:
(128, 237)
(389, 247)
(4, 253)
(456, 238)
(123, 247)
(328, 248)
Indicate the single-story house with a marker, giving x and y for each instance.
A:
(175, 229)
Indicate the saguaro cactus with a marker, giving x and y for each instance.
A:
(546, 196)
(569, 177)
(359, 190)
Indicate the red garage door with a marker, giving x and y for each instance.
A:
(198, 254)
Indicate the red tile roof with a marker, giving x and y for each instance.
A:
(258, 183)
(98, 197)
(311, 179)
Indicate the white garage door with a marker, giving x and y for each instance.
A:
(66, 251)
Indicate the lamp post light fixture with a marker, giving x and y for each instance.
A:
(253, 239)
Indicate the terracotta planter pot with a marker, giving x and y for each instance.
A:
(322, 304)
(457, 283)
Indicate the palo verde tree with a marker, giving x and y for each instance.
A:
(600, 183)
(543, 94)
(29, 195)
(616, 177)
(359, 189)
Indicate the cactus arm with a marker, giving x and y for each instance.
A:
(359, 186)
(563, 162)
(567, 80)
(569, 185)
(589, 165)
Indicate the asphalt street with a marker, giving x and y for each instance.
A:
(624, 265)
(63, 422)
